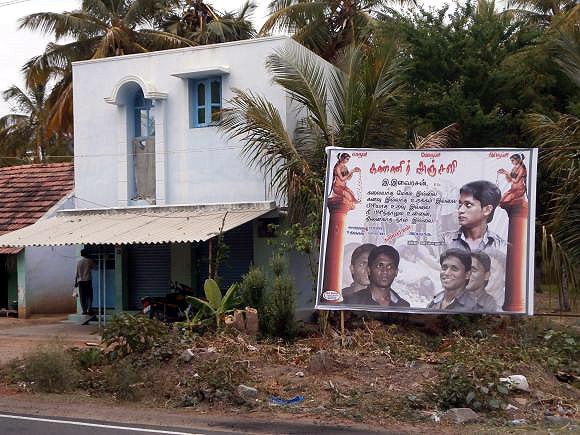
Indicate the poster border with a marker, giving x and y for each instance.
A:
(532, 182)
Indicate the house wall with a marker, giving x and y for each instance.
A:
(49, 279)
(200, 165)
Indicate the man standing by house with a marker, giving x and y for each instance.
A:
(84, 281)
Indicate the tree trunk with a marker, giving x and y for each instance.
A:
(564, 292)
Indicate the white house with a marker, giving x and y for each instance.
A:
(155, 180)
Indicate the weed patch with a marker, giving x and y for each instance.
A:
(50, 370)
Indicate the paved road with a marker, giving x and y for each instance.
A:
(33, 425)
(21, 424)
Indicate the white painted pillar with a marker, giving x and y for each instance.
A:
(160, 152)
(122, 161)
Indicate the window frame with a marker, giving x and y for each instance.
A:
(140, 105)
(208, 105)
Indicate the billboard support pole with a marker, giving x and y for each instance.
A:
(515, 280)
(338, 207)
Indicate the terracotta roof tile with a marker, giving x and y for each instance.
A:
(27, 192)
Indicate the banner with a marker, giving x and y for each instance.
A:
(422, 231)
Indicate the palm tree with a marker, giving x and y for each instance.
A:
(203, 24)
(559, 141)
(341, 106)
(24, 135)
(324, 26)
(99, 29)
(544, 13)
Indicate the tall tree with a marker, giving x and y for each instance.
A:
(559, 142)
(24, 135)
(99, 29)
(337, 106)
(324, 26)
(480, 69)
(201, 23)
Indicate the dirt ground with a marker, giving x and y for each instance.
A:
(19, 336)
(366, 385)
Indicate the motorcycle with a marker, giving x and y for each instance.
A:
(173, 307)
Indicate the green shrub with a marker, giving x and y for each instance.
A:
(50, 370)
(277, 265)
(126, 334)
(253, 287)
(469, 375)
(123, 380)
(281, 308)
(90, 357)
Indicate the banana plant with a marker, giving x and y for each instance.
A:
(217, 305)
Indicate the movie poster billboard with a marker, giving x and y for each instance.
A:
(428, 231)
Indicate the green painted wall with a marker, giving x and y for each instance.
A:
(121, 292)
(21, 279)
(181, 263)
(12, 270)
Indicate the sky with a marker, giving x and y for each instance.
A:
(18, 46)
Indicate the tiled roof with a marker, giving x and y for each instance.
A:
(27, 192)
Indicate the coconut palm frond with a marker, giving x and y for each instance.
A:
(57, 59)
(558, 264)
(267, 145)
(60, 103)
(63, 25)
(290, 15)
(140, 12)
(152, 40)
(303, 76)
(18, 99)
(445, 138)
(97, 9)
(567, 55)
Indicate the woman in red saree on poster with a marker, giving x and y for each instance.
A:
(340, 175)
(339, 203)
(517, 177)
(514, 202)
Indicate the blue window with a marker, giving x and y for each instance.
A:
(205, 101)
(144, 116)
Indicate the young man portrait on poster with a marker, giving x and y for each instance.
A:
(480, 274)
(455, 275)
(478, 201)
(359, 269)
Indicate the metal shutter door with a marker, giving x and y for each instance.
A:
(240, 255)
(149, 272)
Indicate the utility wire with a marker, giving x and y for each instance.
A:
(12, 2)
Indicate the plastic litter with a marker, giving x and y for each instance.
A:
(516, 382)
(278, 401)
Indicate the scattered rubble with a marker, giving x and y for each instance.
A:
(461, 415)
(247, 393)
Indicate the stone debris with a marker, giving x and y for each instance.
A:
(247, 393)
(516, 382)
(461, 415)
(186, 355)
(557, 420)
(320, 361)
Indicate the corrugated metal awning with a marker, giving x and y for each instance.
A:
(122, 226)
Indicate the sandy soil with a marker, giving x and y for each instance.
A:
(19, 336)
